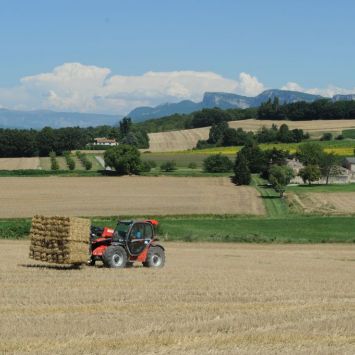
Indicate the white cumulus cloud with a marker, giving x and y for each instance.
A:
(328, 91)
(88, 88)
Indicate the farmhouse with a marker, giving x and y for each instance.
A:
(104, 141)
(349, 163)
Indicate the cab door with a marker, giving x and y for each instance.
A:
(136, 240)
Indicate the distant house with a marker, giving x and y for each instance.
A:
(104, 141)
(349, 163)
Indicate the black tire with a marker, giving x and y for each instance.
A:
(115, 257)
(155, 257)
(91, 261)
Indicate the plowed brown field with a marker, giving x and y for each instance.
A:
(187, 139)
(209, 299)
(110, 196)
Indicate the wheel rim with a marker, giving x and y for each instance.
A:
(117, 259)
(156, 260)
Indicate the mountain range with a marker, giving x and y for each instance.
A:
(42, 118)
(222, 100)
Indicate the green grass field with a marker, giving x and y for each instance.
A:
(349, 133)
(294, 229)
(275, 206)
(322, 188)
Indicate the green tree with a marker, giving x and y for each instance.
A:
(310, 173)
(279, 177)
(217, 163)
(242, 174)
(130, 139)
(229, 137)
(310, 153)
(125, 126)
(46, 141)
(209, 116)
(329, 166)
(284, 135)
(256, 159)
(125, 159)
(217, 132)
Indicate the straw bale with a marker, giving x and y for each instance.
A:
(63, 240)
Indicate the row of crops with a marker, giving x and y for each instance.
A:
(82, 161)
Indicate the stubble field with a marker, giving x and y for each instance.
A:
(209, 299)
(114, 196)
(19, 163)
(328, 202)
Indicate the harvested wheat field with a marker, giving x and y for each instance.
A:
(188, 138)
(332, 203)
(110, 196)
(177, 140)
(208, 299)
(19, 163)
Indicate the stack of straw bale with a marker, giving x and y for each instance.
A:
(61, 240)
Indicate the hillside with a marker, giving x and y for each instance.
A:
(188, 138)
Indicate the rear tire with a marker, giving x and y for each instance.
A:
(115, 257)
(155, 257)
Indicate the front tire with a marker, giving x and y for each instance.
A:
(115, 257)
(155, 257)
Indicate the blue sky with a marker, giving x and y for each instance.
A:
(307, 43)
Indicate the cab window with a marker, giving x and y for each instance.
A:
(148, 231)
(137, 231)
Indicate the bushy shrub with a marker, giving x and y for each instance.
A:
(54, 162)
(310, 173)
(151, 163)
(326, 137)
(145, 167)
(125, 159)
(84, 160)
(192, 165)
(69, 160)
(217, 164)
(168, 166)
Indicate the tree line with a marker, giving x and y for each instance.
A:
(324, 109)
(28, 143)
(221, 135)
(203, 118)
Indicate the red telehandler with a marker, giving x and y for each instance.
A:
(131, 241)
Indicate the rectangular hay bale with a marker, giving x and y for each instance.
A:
(60, 240)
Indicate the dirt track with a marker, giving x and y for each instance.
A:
(209, 299)
(110, 196)
(187, 139)
(19, 163)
